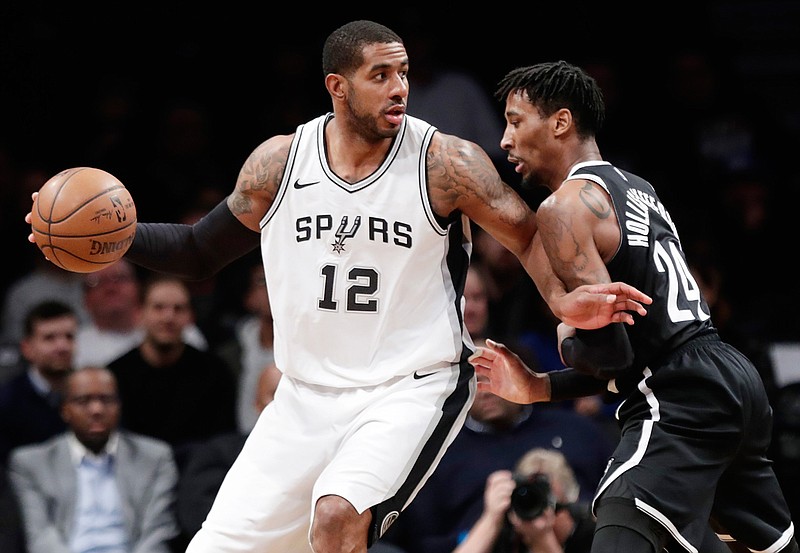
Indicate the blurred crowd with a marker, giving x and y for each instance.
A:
(718, 152)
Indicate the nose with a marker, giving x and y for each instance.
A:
(399, 86)
(506, 140)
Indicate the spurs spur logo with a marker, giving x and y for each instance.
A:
(343, 233)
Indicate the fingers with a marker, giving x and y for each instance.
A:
(623, 292)
(622, 317)
(483, 355)
(633, 293)
(631, 305)
(485, 386)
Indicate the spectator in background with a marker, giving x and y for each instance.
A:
(546, 518)
(250, 350)
(170, 389)
(112, 297)
(95, 487)
(30, 401)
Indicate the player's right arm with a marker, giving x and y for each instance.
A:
(502, 372)
(227, 232)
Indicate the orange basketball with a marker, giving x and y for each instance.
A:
(83, 219)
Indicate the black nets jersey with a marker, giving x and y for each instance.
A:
(650, 258)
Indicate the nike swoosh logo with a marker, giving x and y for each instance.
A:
(299, 185)
(417, 376)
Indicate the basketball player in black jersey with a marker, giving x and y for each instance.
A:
(695, 419)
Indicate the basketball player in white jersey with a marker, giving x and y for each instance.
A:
(362, 216)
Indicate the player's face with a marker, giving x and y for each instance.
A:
(526, 138)
(377, 92)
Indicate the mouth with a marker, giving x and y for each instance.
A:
(395, 114)
(516, 162)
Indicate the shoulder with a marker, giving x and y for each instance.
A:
(145, 444)
(573, 199)
(453, 148)
(9, 388)
(131, 358)
(259, 179)
(34, 453)
(16, 393)
(264, 166)
(459, 173)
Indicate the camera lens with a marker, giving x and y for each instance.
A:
(531, 496)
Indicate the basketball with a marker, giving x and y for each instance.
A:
(83, 219)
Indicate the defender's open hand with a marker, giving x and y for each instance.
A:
(596, 305)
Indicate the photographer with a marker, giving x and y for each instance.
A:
(532, 510)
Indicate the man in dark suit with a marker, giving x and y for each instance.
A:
(95, 484)
(30, 401)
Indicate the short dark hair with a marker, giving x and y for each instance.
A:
(154, 279)
(555, 85)
(343, 49)
(45, 311)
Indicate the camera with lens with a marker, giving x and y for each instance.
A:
(531, 496)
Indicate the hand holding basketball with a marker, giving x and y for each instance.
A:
(83, 219)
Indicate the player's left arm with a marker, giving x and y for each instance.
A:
(578, 235)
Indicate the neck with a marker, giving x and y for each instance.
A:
(161, 355)
(54, 378)
(352, 155)
(586, 150)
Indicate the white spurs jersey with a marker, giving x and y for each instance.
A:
(365, 285)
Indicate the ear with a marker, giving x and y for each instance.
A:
(336, 85)
(25, 348)
(562, 121)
